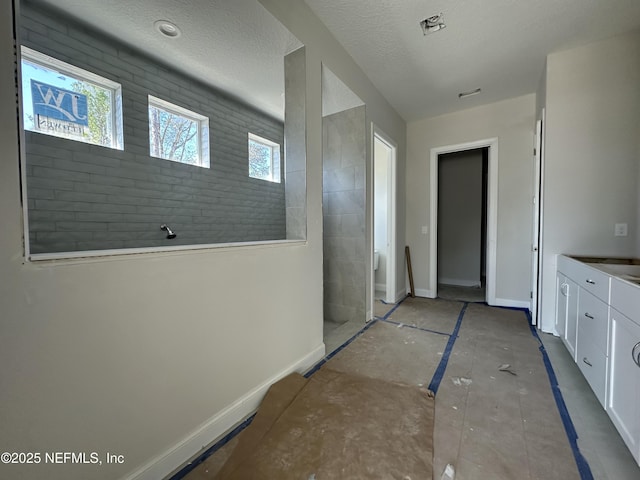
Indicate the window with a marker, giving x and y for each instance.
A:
(178, 134)
(65, 101)
(264, 159)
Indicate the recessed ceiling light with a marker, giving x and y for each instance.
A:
(432, 24)
(469, 93)
(167, 28)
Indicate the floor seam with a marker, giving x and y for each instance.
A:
(415, 327)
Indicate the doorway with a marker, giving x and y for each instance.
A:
(489, 185)
(462, 224)
(384, 222)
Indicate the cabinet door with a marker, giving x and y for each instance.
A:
(623, 403)
(571, 330)
(561, 304)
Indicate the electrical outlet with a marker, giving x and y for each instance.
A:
(425, 230)
(620, 230)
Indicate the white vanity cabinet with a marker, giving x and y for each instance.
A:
(585, 291)
(598, 319)
(623, 402)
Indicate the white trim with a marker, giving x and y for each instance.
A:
(423, 292)
(275, 175)
(34, 56)
(541, 220)
(391, 280)
(53, 64)
(507, 302)
(459, 282)
(492, 212)
(218, 425)
(381, 286)
(200, 120)
(400, 294)
(23, 157)
(93, 255)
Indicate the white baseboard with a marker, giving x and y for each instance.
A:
(400, 294)
(218, 425)
(506, 302)
(459, 282)
(422, 292)
(381, 287)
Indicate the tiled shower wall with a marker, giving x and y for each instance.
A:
(344, 156)
(295, 147)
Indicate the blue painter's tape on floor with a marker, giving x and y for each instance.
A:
(388, 314)
(317, 366)
(211, 450)
(442, 366)
(581, 462)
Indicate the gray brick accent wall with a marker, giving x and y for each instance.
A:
(87, 197)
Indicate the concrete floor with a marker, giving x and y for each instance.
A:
(464, 294)
(490, 424)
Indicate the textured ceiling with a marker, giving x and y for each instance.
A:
(234, 45)
(498, 45)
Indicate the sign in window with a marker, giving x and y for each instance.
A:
(65, 101)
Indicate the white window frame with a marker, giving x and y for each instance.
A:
(50, 63)
(200, 120)
(275, 164)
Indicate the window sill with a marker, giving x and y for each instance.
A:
(126, 253)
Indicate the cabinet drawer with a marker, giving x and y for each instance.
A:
(593, 364)
(592, 280)
(593, 321)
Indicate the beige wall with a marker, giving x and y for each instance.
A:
(133, 354)
(591, 156)
(512, 122)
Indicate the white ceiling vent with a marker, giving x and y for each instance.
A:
(470, 93)
(432, 24)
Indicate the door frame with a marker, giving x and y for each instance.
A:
(535, 231)
(492, 213)
(391, 295)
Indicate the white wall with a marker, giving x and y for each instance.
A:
(134, 354)
(591, 157)
(512, 122)
(460, 218)
(381, 217)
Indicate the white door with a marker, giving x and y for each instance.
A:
(535, 238)
(384, 210)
